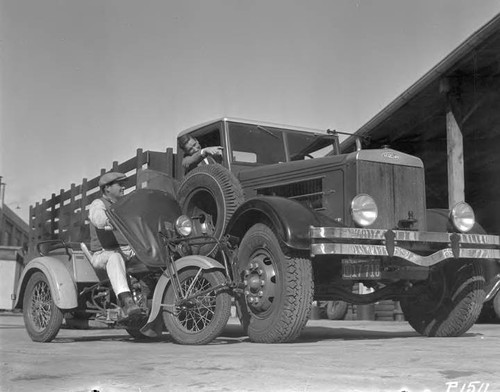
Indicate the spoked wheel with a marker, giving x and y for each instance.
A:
(42, 317)
(278, 289)
(449, 302)
(204, 316)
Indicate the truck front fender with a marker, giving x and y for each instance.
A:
(154, 325)
(62, 286)
(289, 219)
(438, 220)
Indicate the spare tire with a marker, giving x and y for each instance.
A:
(213, 193)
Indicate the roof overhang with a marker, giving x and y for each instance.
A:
(474, 67)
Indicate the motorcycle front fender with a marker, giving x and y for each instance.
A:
(62, 285)
(154, 325)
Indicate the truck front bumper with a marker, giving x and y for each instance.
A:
(355, 242)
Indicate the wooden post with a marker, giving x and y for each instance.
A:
(454, 144)
(455, 151)
(138, 167)
(61, 222)
(83, 212)
(71, 219)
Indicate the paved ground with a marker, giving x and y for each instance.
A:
(329, 356)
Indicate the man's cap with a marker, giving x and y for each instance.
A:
(110, 177)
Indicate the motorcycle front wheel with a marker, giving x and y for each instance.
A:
(203, 318)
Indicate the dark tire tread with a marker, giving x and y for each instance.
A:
(291, 316)
(227, 181)
(459, 310)
(297, 307)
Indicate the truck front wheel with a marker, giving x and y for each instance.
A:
(278, 289)
(449, 302)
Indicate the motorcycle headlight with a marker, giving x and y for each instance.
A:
(462, 217)
(184, 225)
(364, 210)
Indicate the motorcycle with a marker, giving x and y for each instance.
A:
(185, 293)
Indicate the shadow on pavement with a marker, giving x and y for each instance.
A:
(312, 334)
(318, 333)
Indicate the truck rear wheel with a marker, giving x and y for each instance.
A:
(449, 302)
(213, 192)
(278, 289)
(336, 310)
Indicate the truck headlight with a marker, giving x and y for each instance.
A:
(184, 225)
(364, 210)
(462, 217)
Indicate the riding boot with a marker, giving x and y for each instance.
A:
(128, 305)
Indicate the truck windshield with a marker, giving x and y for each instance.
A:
(254, 144)
(264, 145)
(302, 145)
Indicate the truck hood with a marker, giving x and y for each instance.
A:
(283, 171)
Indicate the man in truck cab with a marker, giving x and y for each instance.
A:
(110, 248)
(194, 154)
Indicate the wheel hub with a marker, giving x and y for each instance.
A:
(40, 306)
(260, 281)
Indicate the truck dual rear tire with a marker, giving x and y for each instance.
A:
(278, 289)
(336, 310)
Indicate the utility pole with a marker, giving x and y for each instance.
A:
(2, 199)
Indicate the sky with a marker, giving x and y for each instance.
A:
(86, 83)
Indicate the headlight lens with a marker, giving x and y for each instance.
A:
(184, 225)
(364, 210)
(462, 216)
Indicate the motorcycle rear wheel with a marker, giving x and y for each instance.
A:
(206, 317)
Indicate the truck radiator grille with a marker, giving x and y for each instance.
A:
(397, 189)
(309, 192)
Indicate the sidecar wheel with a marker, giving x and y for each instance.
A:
(42, 317)
(205, 318)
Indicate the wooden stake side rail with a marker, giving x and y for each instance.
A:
(65, 215)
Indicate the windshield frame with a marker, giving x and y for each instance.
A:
(284, 136)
